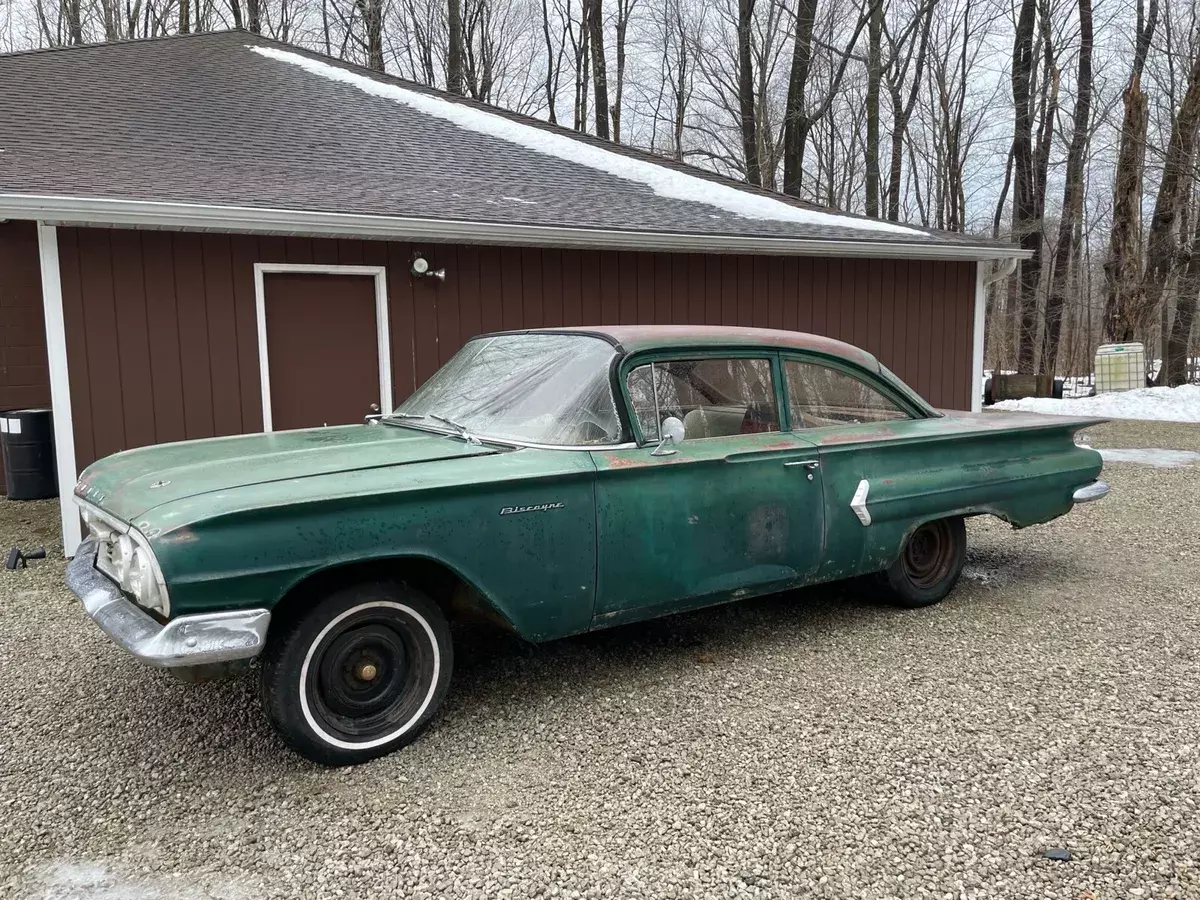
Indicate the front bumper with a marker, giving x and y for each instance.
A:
(184, 641)
(1097, 490)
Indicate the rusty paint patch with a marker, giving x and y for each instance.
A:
(856, 437)
(182, 535)
(624, 462)
(643, 337)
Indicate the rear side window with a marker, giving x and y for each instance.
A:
(819, 395)
(713, 397)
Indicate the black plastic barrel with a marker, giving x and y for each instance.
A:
(28, 439)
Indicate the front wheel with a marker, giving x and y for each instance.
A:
(359, 675)
(929, 564)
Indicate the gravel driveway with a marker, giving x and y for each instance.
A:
(813, 744)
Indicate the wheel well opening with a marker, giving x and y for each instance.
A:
(459, 600)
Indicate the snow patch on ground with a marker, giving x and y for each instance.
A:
(1164, 404)
(1152, 456)
(74, 880)
(664, 181)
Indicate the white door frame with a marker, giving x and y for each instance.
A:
(379, 273)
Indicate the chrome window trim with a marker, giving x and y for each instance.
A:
(628, 445)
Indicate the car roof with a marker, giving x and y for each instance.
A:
(636, 338)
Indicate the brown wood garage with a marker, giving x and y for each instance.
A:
(163, 342)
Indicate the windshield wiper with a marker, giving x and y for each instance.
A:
(394, 418)
(460, 430)
(457, 426)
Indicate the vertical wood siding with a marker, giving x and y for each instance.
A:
(162, 341)
(24, 373)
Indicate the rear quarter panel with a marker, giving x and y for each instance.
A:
(1023, 469)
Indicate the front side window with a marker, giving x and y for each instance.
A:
(713, 397)
(819, 395)
(551, 389)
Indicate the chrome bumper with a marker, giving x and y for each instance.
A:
(1095, 491)
(184, 641)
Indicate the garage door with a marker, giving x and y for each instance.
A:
(322, 348)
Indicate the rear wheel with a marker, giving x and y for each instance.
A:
(359, 675)
(929, 565)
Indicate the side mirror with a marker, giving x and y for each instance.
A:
(670, 432)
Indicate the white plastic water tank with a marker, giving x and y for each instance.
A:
(1120, 367)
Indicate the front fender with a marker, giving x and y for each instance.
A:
(535, 564)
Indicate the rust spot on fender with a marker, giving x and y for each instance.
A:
(182, 535)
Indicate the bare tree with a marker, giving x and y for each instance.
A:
(578, 33)
(1072, 207)
(1178, 177)
(874, 78)
(454, 48)
(906, 51)
(594, 14)
(1175, 359)
(799, 119)
(745, 93)
(1030, 162)
(624, 13)
(1123, 312)
(371, 13)
(554, 59)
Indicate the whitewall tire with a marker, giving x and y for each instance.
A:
(358, 675)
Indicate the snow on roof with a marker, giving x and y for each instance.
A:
(663, 180)
(1178, 404)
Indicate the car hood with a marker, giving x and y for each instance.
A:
(130, 483)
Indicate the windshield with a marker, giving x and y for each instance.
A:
(531, 388)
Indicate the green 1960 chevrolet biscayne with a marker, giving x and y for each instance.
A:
(554, 481)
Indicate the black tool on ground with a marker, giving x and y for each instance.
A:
(16, 559)
(28, 439)
(1057, 853)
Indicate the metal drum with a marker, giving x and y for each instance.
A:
(28, 439)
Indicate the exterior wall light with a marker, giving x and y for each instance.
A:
(420, 268)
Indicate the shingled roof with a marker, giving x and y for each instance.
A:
(233, 131)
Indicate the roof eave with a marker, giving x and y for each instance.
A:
(95, 211)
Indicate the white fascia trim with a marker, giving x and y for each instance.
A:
(192, 216)
(977, 339)
(60, 386)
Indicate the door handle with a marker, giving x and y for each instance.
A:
(807, 463)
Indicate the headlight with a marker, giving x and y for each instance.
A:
(124, 555)
(145, 579)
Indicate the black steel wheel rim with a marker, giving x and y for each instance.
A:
(929, 555)
(369, 675)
